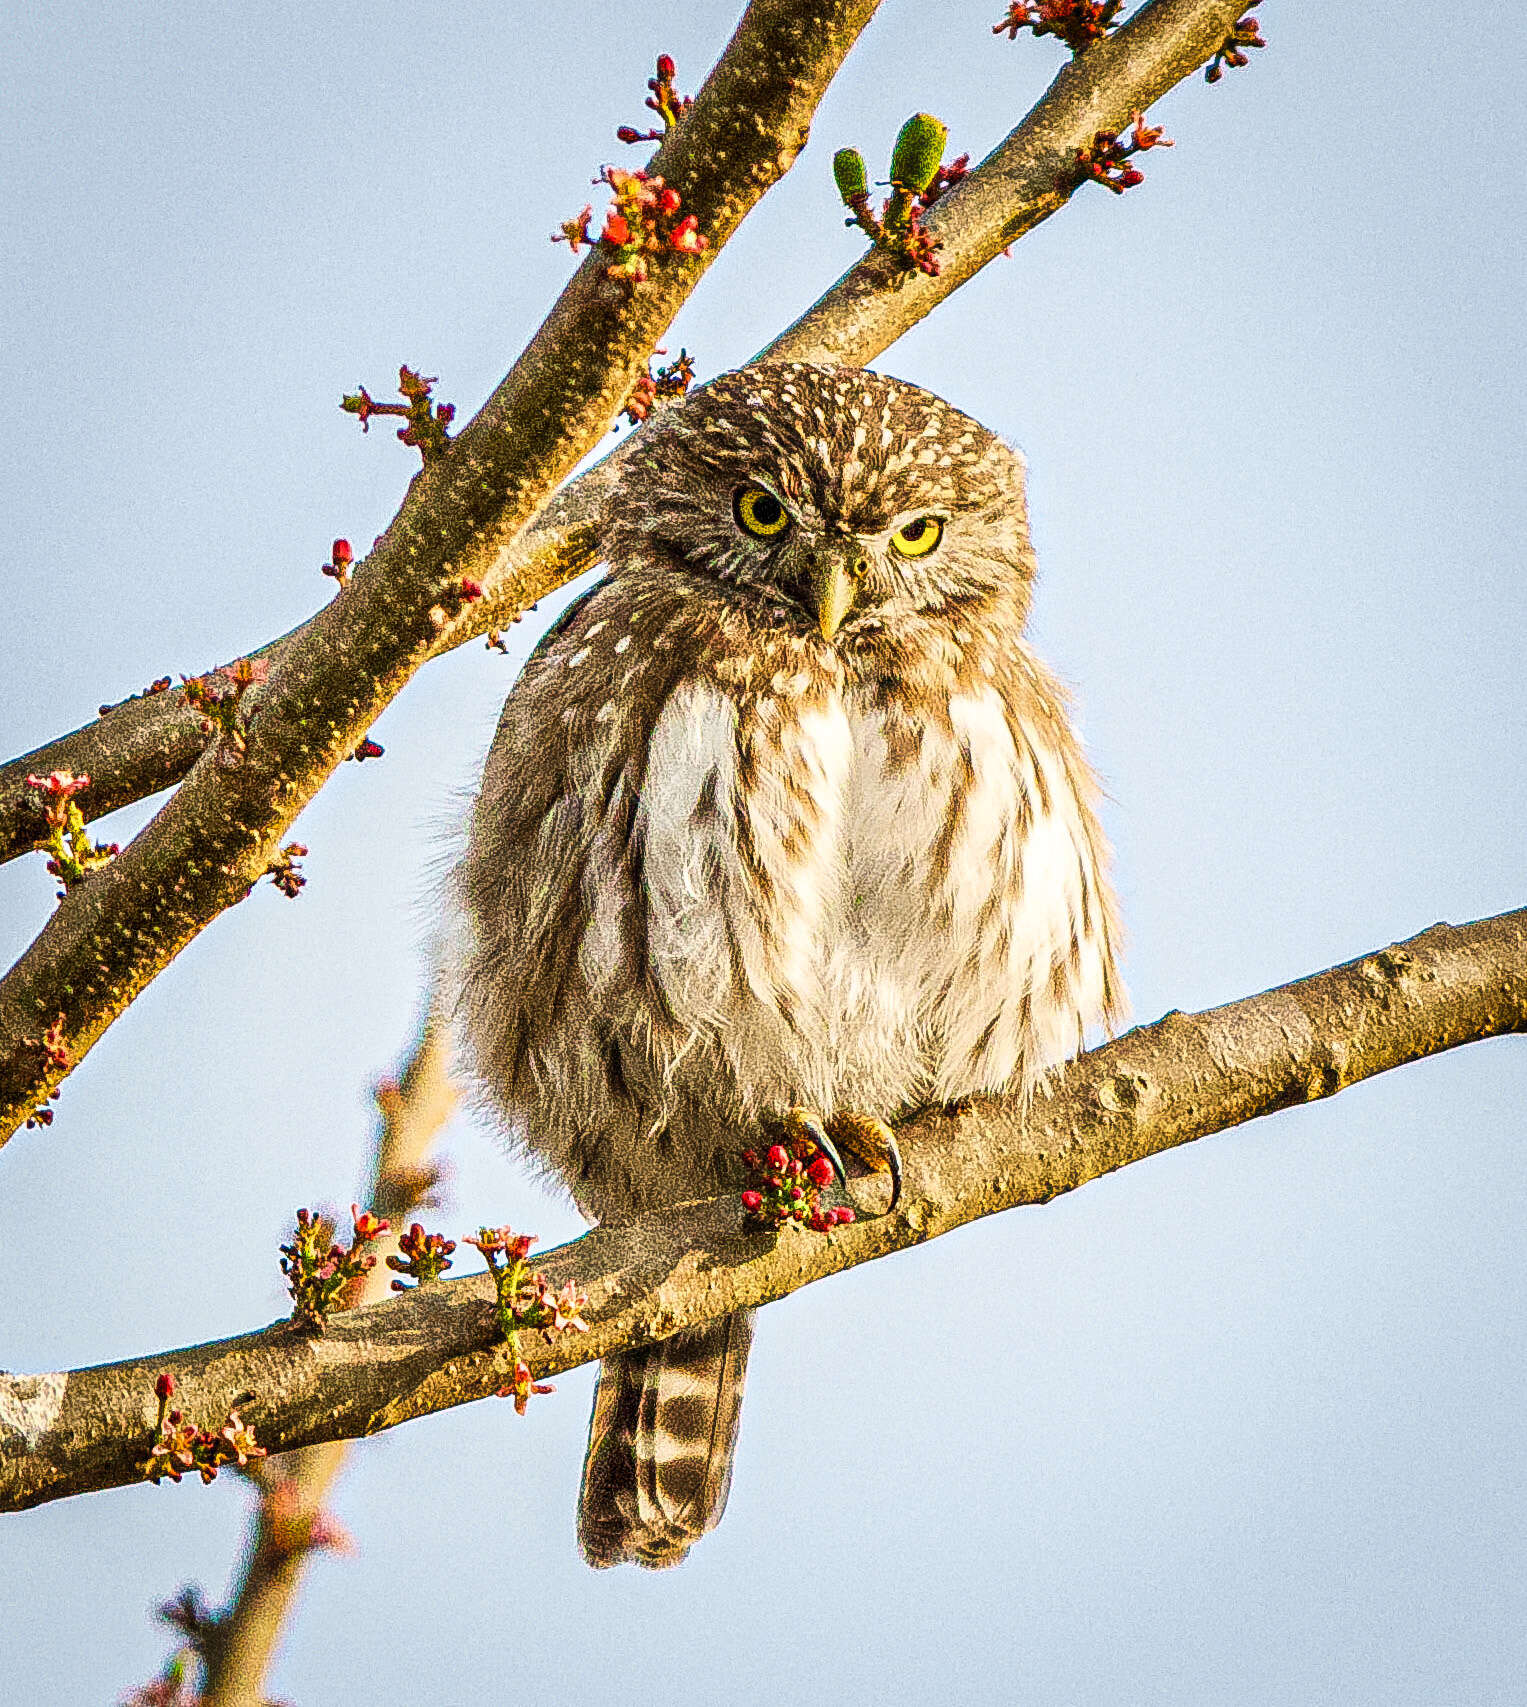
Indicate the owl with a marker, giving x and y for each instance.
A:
(782, 814)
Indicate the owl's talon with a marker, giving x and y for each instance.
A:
(871, 1142)
(893, 1166)
(813, 1129)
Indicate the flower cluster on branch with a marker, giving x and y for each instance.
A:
(284, 870)
(319, 1272)
(1105, 159)
(526, 1299)
(786, 1181)
(219, 697)
(424, 420)
(1232, 51)
(640, 224)
(55, 1059)
(179, 1445)
(160, 685)
(1078, 23)
(664, 100)
(72, 855)
(672, 380)
(422, 1257)
(340, 558)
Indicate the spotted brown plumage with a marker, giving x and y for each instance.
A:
(785, 811)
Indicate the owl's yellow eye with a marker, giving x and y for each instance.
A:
(760, 513)
(917, 538)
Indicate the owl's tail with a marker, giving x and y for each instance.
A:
(659, 1459)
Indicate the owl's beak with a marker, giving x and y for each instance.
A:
(834, 569)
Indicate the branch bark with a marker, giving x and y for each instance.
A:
(220, 832)
(146, 744)
(1159, 1086)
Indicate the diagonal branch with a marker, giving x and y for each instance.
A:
(1031, 174)
(1162, 1085)
(147, 744)
(220, 832)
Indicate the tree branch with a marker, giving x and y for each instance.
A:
(146, 744)
(220, 832)
(289, 1522)
(1162, 1085)
(1031, 174)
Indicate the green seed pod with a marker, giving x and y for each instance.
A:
(918, 151)
(849, 174)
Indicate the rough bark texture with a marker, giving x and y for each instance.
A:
(1162, 1085)
(462, 515)
(144, 745)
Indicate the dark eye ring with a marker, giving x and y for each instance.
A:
(759, 512)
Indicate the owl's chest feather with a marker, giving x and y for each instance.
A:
(862, 906)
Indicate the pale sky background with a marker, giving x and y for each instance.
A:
(1242, 1424)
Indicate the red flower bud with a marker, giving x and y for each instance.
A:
(751, 1200)
(1131, 176)
(665, 68)
(367, 1225)
(164, 1387)
(777, 1156)
(627, 133)
(797, 1193)
(686, 238)
(342, 552)
(668, 202)
(616, 230)
(820, 1171)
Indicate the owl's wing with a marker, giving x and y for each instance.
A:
(552, 979)
(563, 625)
(1062, 794)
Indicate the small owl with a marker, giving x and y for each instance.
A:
(783, 813)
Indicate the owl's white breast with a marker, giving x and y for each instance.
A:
(851, 931)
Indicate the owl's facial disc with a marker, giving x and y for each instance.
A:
(823, 571)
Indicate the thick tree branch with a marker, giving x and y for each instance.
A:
(463, 513)
(147, 744)
(1163, 1085)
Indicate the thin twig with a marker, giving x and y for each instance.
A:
(288, 1525)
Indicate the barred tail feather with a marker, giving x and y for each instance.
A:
(661, 1438)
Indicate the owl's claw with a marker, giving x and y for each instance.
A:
(812, 1127)
(868, 1140)
(893, 1165)
(872, 1143)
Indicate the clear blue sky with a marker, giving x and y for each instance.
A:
(1240, 1425)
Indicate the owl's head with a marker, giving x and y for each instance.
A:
(838, 498)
